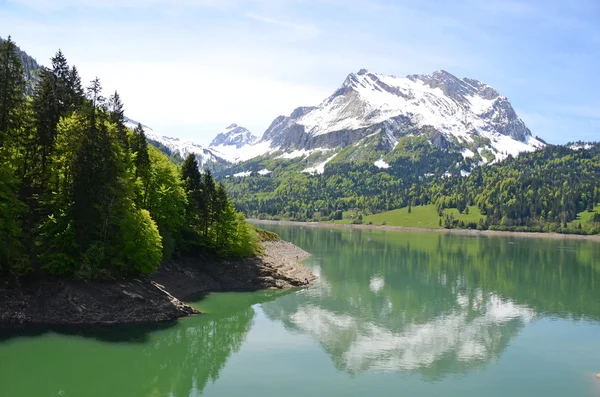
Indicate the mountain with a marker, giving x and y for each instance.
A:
(175, 146)
(31, 68)
(237, 144)
(364, 119)
(234, 135)
(466, 114)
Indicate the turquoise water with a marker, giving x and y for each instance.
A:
(414, 314)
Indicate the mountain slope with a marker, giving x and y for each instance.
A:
(466, 112)
(234, 135)
(176, 146)
(366, 117)
(30, 70)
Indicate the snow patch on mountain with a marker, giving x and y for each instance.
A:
(302, 153)
(468, 153)
(319, 168)
(177, 146)
(235, 154)
(381, 164)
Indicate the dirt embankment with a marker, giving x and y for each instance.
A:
(465, 232)
(147, 299)
(278, 268)
(60, 301)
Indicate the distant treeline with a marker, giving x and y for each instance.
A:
(539, 191)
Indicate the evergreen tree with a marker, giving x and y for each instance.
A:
(62, 79)
(77, 96)
(192, 183)
(94, 176)
(47, 114)
(209, 193)
(117, 116)
(139, 146)
(12, 86)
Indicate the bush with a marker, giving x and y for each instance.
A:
(140, 244)
(265, 235)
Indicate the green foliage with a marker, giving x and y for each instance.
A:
(139, 249)
(544, 190)
(10, 229)
(265, 235)
(80, 195)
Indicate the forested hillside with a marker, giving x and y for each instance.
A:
(539, 191)
(82, 195)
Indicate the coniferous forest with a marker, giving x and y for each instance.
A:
(82, 195)
(541, 191)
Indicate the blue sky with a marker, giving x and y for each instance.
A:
(189, 68)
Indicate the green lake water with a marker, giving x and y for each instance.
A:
(393, 314)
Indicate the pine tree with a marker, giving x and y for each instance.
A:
(77, 96)
(208, 185)
(62, 78)
(95, 174)
(12, 86)
(117, 116)
(47, 114)
(192, 184)
(139, 146)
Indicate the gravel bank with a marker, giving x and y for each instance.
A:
(277, 268)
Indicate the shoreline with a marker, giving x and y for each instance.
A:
(159, 297)
(464, 232)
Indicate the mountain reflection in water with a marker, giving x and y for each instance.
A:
(387, 302)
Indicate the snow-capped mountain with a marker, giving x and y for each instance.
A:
(177, 146)
(237, 144)
(371, 110)
(466, 113)
(234, 135)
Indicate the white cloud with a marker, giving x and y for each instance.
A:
(174, 94)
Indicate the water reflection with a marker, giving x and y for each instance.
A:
(176, 362)
(432, 303)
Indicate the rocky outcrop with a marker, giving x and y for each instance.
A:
(53, 301)
(277, 268)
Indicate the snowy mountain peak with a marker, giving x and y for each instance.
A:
(234, 135)
(175, 145)
(464, 112)
(454, 87)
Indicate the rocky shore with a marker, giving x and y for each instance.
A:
(277, 268)
(159, 297)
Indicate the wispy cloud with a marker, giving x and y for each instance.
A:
(45, 5)
(304, 31)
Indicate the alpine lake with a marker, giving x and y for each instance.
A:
(392, 314)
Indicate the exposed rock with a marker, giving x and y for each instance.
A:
(234, 135)
(277, 268)
(53, 301)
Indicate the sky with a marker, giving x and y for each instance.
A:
(189, 68)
